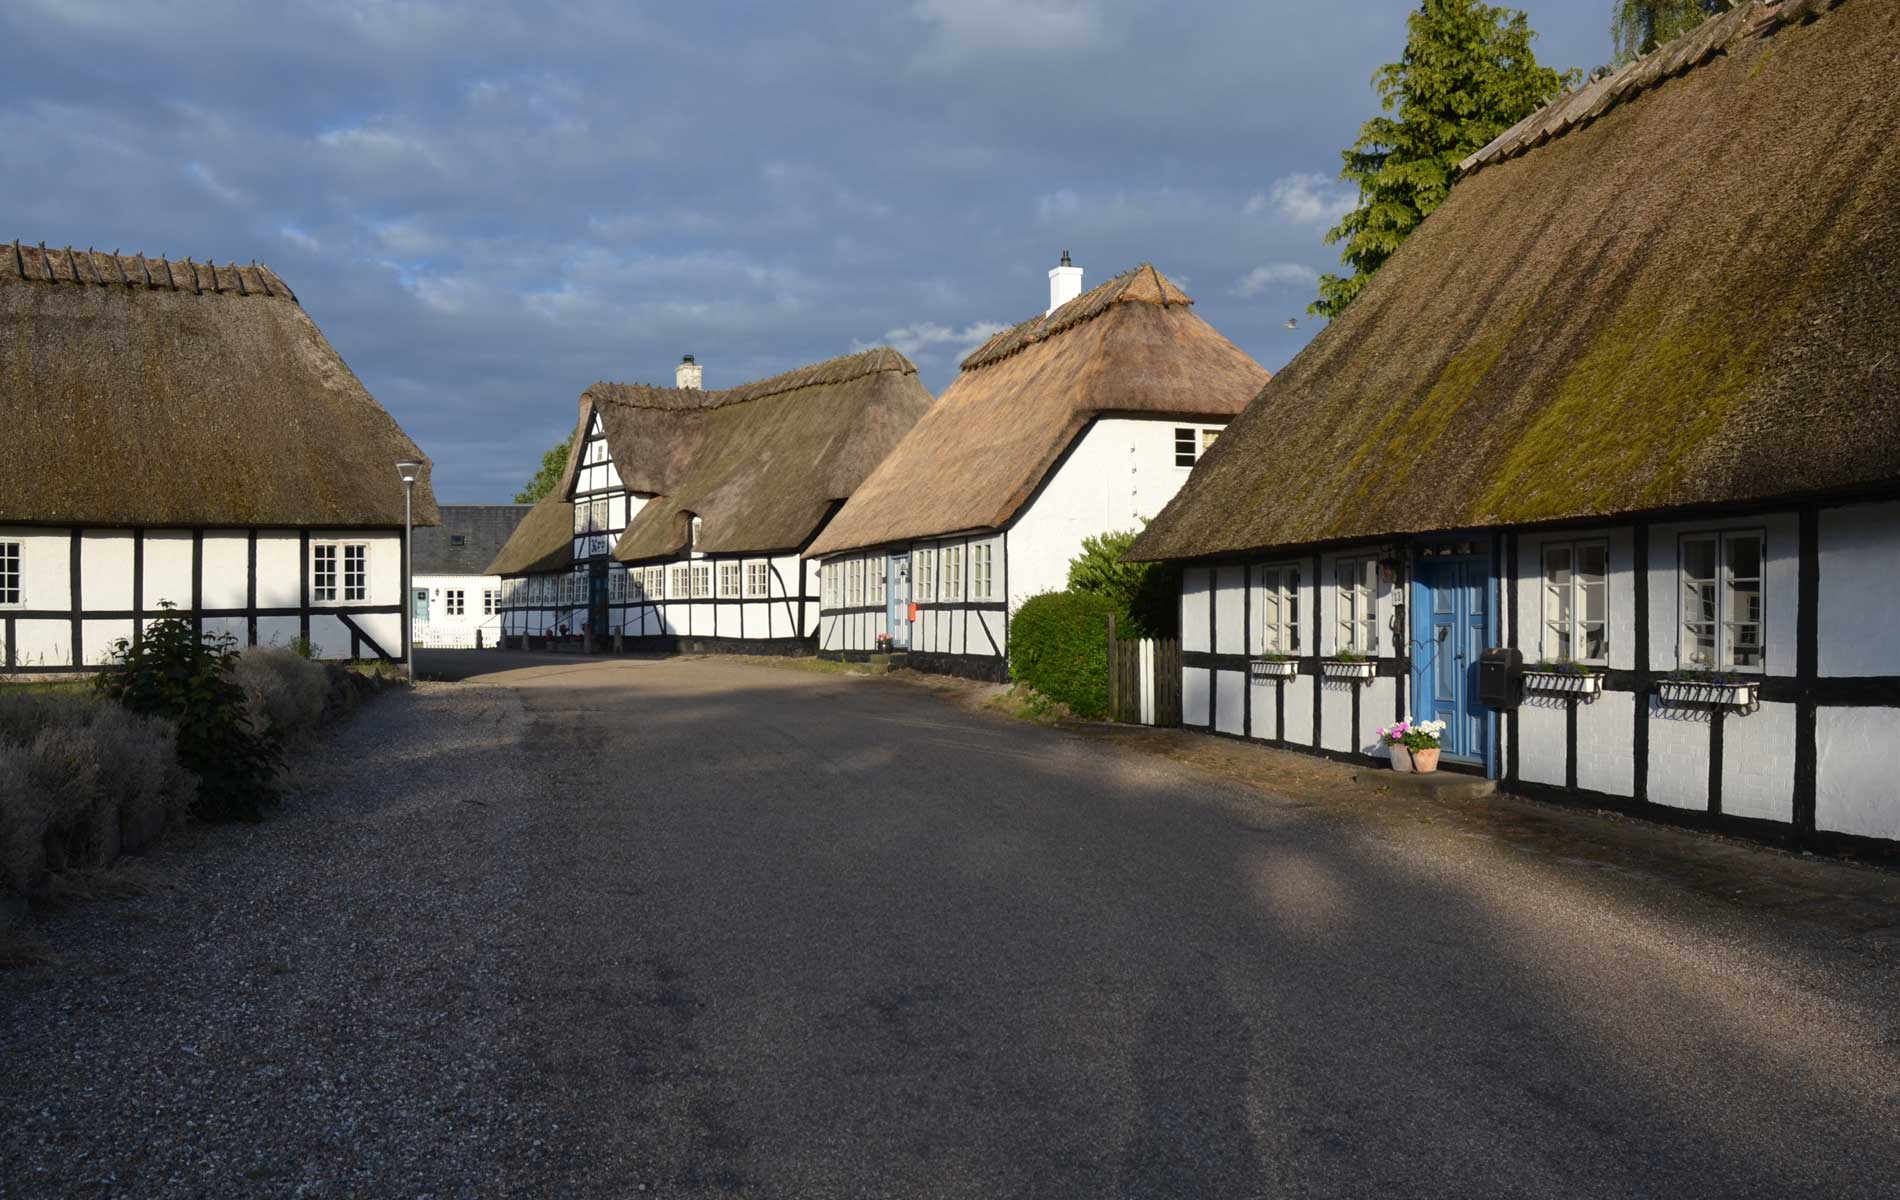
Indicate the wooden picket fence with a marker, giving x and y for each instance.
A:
(1144, 679)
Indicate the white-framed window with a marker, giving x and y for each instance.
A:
(1722, 608)
(679, 583)
(728, 581)
(1357, 608)
(1576, 602)
(491, 601)
(702, 581)
(656, 583)
(758, 580)
(982, 571)
(952, 558)
(339, 571)
(854, 583)
(12, 581)
(1276, 592)
(1192, 441)
(875, 571)
(923, 574)
(616, 586)
(455, 602)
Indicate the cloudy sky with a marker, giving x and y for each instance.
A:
(487, 206)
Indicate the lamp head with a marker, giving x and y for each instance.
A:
(409, 470)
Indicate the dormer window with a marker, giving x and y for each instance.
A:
(458, 539)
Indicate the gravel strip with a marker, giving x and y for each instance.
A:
(321, 1004)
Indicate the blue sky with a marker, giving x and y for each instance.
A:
(488, 206)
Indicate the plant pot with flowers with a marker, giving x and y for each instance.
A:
(1413, 745)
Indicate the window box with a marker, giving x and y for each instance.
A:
(1710, 693)
(1586, 684)
(1273, 668)
(1352, 670)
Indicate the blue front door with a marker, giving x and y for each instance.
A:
(1452, 631)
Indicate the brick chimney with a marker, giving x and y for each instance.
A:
(1065, 283)
(686, 375)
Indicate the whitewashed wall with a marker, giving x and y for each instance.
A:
(126, 575)
(444, 630)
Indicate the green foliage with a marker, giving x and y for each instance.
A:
(1146, 596)
(302, 647)
(1467, 75)
(1639, 26)
(175, 673)
(552, 464)
(1058, 645)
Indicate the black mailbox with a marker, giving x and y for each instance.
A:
(1499, 669)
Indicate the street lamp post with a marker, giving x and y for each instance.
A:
(409, 470)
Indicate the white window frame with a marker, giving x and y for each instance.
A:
(702, 581)
(491, 601)
(875, 571)
(758, 580)
(654, 582)
(454, 602)
(345, 566)
(854, 584)
(952, 581)
(1719, 615)
(729, 572)
(1276, 618)
(924, 574)
(1197, 439)
(679, 582)
(1562, 628)
(1356, 604)
(982, 571)
(12, 574)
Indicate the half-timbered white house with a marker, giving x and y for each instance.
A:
(1082, 421)
(181, 434)
(679, 522)
(1603, 467)
(454, 601)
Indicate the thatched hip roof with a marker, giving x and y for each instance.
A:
(1684, 290)
(143, 391)
(1131, 346)
(761, 465)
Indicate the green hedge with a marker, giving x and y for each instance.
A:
(1058, 644)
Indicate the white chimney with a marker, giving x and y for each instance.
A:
(686, 375)
(1065, 283)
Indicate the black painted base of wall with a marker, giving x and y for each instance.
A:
(985, 668)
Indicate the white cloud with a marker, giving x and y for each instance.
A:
(975, 33)
(1260, 279)
(913, 340)
(1305, 199)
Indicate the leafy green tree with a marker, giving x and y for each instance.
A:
(552, 464)
(1639, 26)
(1467, 75)
(1145, 596)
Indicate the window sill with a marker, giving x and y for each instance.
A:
(1269, 668)
(1565, 683)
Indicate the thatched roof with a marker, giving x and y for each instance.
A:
(1130, 346)
(143, 391)
(467, 540)
(1687, 296)
(762, 464)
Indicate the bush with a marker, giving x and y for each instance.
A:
(1146, 596)
(1058, 644)
(81, 782)
(176, 674)
(285, 693)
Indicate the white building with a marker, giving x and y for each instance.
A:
(679, 522)
(181, 434)
(1082, 421)
(1626, 422)
(455, 602)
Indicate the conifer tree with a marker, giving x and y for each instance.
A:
(1467, 75)
(1639, 26)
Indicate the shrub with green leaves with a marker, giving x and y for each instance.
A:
(1146, 596)
(1058, 645)
(286, 693)
(175, 673)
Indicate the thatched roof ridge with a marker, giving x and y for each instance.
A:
(1133, 346)
(1142, 285)
(1692, 300)
(1720, 34)
(762, 464)
(163, 392)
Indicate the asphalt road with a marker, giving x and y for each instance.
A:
(766, 933)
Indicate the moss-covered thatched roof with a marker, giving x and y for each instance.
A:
(140, 391)
(1132, 345)
(1685, 291)
(761, 465)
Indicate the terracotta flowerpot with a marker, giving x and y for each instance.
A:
(1401, 758)
(1425, 761)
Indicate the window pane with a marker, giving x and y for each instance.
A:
(1207, 438)
(1184, 447)
(1592, 562)
(1698, 558)
(1744, 556)
(1596, 643)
